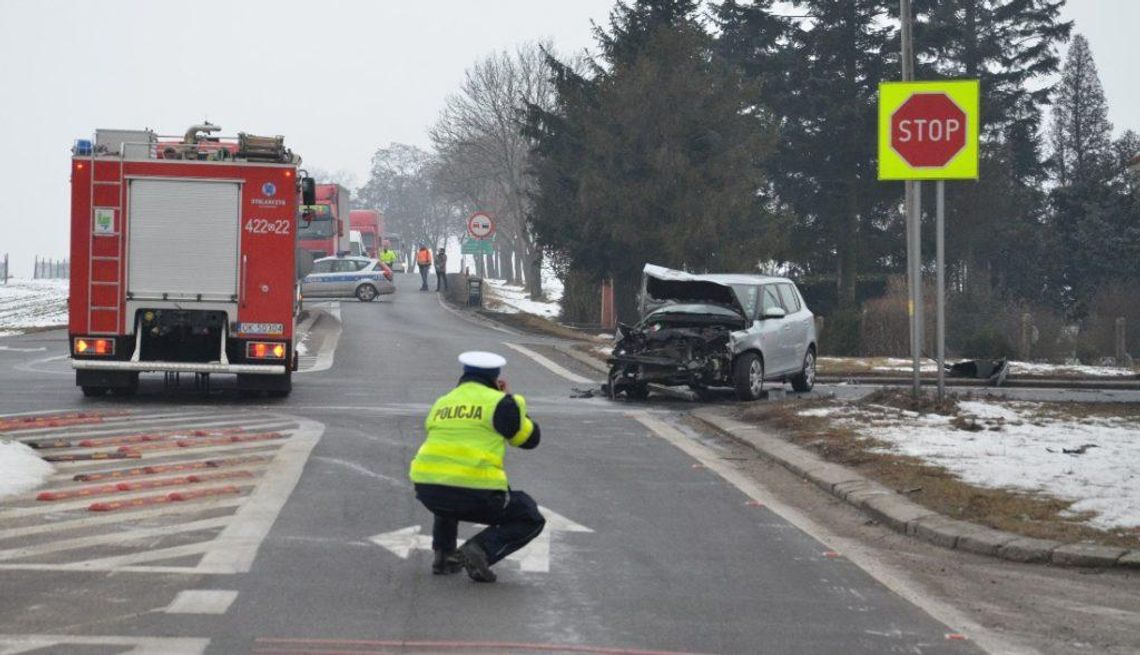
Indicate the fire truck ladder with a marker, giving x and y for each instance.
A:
(117, 259)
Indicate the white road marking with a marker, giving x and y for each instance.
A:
(549, 365)
(534, 557)
(15, 644)
(111, 538)
(231, 551)
(112, 517)
(895, 579)
(23, 350)
(202, 601)
(236, 547)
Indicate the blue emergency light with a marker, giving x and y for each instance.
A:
(83, 148)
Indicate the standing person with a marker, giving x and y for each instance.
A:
(441, 269)
(458, 471)
(388, 256)
(423, 260)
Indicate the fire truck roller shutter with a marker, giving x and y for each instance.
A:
(183, 239)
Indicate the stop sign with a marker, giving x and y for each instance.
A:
(928, 130)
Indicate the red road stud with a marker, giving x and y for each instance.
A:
(127, 504)
(831, 554)
(180, 496)
(78, 493)
(227, 475)
(754, 503)
(91, 457)
(955, 636)
(54, 421)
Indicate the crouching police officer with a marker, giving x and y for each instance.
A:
(458, 471)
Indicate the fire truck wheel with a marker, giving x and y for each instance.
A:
(366, 293)
(94, 392)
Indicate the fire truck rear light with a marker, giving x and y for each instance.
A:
(265, 350)
(86, 346)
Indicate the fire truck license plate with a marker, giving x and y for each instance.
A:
(261, 328)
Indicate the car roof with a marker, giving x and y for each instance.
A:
(740, 278)
(348, 257)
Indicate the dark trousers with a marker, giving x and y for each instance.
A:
(512, 518)
(423, 276)
(440, 280)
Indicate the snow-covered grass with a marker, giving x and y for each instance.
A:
(32, 304)
(1019, 446)
(20, 468)
(854, 365)
(511, 299)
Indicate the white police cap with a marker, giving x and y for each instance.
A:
(480, 359)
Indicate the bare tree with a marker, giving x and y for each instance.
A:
(484, 159)
(401, 184)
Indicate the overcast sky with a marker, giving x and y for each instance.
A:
(337, 78)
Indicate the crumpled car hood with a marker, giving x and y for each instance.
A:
(665, 285)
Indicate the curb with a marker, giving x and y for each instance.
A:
(905, 516)
(1123, 384)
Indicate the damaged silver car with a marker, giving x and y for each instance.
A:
(708, 331)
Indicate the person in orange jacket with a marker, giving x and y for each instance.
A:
(423, 261)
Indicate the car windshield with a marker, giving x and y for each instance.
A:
(692, 309)
(318, 228)
(746, 294)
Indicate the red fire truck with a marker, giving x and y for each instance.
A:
(370, 224)
(324, 233)
(184, 259)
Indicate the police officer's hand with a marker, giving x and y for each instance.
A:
(503, 386)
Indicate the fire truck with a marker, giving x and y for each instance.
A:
(370, 224)
(184, 256)
(324, 233)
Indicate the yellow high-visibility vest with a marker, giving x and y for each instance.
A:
(462, 448)
(388, 257)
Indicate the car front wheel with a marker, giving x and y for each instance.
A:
(366, 293)
(805, 379)
(748, 376)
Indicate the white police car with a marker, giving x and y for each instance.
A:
(341, 277)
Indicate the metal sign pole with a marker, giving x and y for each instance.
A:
(940, 268)
(916, 281)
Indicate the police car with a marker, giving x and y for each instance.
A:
(341, 277)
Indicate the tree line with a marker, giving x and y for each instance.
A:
(741, 137)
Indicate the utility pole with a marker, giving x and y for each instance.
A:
(913, 207)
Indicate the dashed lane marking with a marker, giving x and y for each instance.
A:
(202, 601)
(549, 365)
(202, 506)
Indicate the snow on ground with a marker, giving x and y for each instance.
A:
(20, 469)
(1020, 446)
(511, 299)
(1039, 369)
(31, 304)
(1069, 370)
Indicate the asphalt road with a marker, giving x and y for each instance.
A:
(312, 543)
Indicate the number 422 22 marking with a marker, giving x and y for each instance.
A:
(263, 226)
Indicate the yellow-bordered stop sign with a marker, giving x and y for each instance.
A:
(928, 130)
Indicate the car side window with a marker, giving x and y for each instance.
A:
(344, 266)
(322, 267)
(789, 297)
(769, 299)
(363, 265)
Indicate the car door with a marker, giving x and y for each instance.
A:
(346, 276)
(773, 333)
(318, 283)
(798, 322)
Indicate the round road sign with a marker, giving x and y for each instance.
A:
(928, 130)
(480, 226)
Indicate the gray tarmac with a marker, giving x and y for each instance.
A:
(672, 556)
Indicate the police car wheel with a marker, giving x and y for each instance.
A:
(366, 293)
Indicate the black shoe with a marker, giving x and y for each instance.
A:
(447, 562)
(475, 561)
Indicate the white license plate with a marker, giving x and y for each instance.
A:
(261, 328)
